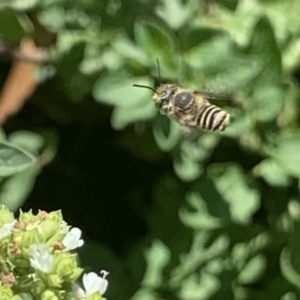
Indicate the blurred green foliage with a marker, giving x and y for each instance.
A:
(224, 220)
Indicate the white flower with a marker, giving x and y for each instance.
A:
(6, 229)
(92, 283)
(72, 239)
(41, 258)
(104, 282)
(78, 292)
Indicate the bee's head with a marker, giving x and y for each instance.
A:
(163, 94)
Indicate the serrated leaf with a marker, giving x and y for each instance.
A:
(13, 159)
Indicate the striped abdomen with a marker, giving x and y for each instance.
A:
(213, 118)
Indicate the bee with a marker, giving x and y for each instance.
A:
(191, 109)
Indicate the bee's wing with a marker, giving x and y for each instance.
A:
(208, 95)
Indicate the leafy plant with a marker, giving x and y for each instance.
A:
(221, 217)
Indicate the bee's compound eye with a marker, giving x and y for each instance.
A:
(184, 100)
(166, 94)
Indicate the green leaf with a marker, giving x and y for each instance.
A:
(263, 46)
(175, 13)
(288, 270)
(239, 125)
(154, 40)
(128, 49)
(28, 140)
(192, 154)
(208, 191)
(166, 133)
(144, 294)
(5, 3)
(289, 259)
(187, 169)
(13, 159)
(76, 83)
(210, 54)
(286, 154)
(24, 4)
(230, 4)
(196, 215)
(253, 270)
(132, 103)
(272, 172)
(267, 102)
(124, 115)
(53, 17)
(197, 37)
(195, 259)
(15, 189)
(243, 201)
(285, 17)
(10, 26)
(234, 73)
(117, 89)
(199, 287)
(157, 257)
(25, 296)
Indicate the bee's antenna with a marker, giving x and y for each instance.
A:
(158, 70)
(145, 86)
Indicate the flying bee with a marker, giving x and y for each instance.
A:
(191, 109)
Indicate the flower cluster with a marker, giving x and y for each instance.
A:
(35, 259)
